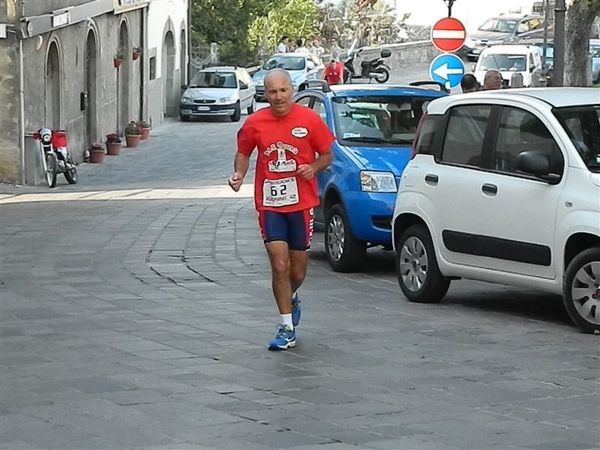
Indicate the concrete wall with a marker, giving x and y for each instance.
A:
(9, 90)
(71, 44)
(166, 17)
(403, 55)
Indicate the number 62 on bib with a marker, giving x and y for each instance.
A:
(282, 192)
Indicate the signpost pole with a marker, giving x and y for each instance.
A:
(449, 3)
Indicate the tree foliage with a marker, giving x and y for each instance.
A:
(295, 19)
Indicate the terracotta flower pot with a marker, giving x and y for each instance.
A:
(145, 133)
(117, 62)
(113, 148)
(133, 140)
(97, 156)
(135, 55)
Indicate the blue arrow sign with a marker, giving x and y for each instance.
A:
(447, 69)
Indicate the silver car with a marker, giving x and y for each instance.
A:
(218, 91)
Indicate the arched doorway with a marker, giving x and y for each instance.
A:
(91, 70)
(168, 75)
(53, 87)
(123, 79)
(183, 59)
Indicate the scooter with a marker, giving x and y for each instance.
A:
(55, 156)
(373, 69)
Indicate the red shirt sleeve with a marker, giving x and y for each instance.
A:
(321, 136)
(246, 141)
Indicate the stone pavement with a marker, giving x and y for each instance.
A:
(135, 309)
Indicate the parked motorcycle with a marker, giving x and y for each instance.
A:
(373, 69)
(55, 156)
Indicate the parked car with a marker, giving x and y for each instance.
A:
(595, 54)
(301, 67)
(374, 127)
(525, 60)
(501, 29)
(218, 91)
(504, 187)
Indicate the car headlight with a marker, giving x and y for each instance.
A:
(377, 181)
(186, 100)
(223, 100)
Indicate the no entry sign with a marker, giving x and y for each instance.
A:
(448, 34)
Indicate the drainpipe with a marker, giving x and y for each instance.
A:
(22, 100)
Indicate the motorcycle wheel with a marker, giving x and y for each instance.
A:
(51, 169)
(71, 174)
(382, 75)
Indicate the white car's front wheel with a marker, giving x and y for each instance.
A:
(581, 290)
(416, 267)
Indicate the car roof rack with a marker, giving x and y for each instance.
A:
(320, 84)
(431, 82)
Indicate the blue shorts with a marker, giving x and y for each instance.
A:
(295, 228)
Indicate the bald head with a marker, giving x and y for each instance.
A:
(279, 91)
(277, 74)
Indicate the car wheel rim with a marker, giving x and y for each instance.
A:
(585, 292)
(413, 264)
(336, 237)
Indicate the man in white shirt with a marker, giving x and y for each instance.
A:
(300, 47)
(282, 47)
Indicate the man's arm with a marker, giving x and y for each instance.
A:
(323, 160)
(241, 163)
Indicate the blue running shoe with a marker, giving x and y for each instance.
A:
(284, 339)
(296, 312)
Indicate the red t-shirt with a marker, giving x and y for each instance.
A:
(335, 74)
(284, 143)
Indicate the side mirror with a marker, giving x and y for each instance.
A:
(243, 86)
(531, 69)
(536, 164)
(184, 87)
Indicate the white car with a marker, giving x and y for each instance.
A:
(302, 68)
(525, 60)
(504, 186)
(218, 91)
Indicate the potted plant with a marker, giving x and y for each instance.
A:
(113, 144)
(137, 51)
(97, 153)
(133, 134)
(118, 60)
(145, 127)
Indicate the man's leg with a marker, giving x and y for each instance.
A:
(279, 256)
(298, 263)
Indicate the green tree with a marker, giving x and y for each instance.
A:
(226, 22)
(294, 18)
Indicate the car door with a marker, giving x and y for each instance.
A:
(493, 216)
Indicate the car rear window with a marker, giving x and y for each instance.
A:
(386, 120)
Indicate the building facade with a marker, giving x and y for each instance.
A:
(85, 66)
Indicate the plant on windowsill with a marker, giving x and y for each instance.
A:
(145, 127)
(97, 153)
(113, 144)
(136, 53)
(118, 60)
(133, 134)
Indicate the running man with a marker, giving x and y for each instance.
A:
(294, 144)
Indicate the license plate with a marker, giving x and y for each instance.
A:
(203, 108)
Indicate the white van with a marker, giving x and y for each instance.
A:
(509, 60)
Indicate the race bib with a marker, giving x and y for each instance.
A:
(281, 192)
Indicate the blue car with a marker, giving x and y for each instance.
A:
(374, 128)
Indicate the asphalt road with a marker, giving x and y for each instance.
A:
(135, 310)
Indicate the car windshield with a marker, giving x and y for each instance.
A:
(498, 25)
(502, 62)
(214, 80)
(385, 120)
(582, 124)
(286, 62)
